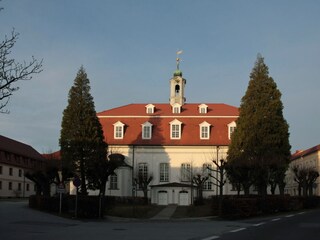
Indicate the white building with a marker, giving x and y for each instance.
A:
(171, 141)
(16, 158)
(310, 159)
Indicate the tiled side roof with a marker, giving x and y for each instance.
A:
(162, 109)
(303, 153)
(134, 115)
(18, 148)
(50, 156)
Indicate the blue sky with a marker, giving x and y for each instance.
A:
(128, 49)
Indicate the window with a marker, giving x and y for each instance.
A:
(185, 172)
(164, 172)
(203, 108)
(20, 173)
(231, 128)
(27, 186)
(10, 185)
(150, 108)
(0, 185)
(118, 130)
(146, 130)
(142, 173)
(114, 181)
(143, 170)
(207, 185)
(10, 171)
(204, 130)
(19, 186)
(0, 169)
(175, 129)
(176, 108)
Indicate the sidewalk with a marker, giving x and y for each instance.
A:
(166, 213)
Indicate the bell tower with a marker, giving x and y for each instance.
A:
(177, 85)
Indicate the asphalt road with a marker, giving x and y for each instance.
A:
(293, 226)
(17, 222)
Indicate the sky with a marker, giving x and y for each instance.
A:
(128, 49)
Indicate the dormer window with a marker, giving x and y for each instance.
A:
(175, 129)
(118, 130)
(150, 108)
(204, 130)
(146, 130)
(176, 108)
(231, 127)
(203, 108)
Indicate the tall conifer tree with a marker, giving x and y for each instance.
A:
(260, 143)
(81, 138)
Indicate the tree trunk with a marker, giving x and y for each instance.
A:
(246, 189)
(83, 179)
(281, 188)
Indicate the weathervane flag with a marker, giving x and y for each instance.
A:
(179, 52)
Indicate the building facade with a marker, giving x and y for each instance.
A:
(309, 159)
(16, 159)
(171, 142)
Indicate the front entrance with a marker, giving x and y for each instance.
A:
(183, 198)
(162, 198)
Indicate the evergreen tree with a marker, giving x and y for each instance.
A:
(81, 138)
(260, 143)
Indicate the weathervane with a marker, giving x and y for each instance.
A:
(178, 59)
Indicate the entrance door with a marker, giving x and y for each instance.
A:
(183, 198)
(162, 198)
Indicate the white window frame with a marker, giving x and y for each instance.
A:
(204, 130)
(176, 108)
(146, 130)
(175, 129)
(231, 127)
(185, 172)
(207, 185)
(164, 172)
(118, 130)
(113, 182)
(142, 170)
(203, 108)
(150, 109)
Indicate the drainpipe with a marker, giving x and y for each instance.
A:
(133, 184)
(217, 188)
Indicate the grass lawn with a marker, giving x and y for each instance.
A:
(193, 211)
(134, 211)
(148, 211)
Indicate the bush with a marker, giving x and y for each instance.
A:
(88, 206)
(234, 207)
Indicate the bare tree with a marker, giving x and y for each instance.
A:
(143, 182)
(11, 71)
(305, 177)
(199, 180)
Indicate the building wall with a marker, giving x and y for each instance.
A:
(175, 156)
(312, 160)
(13, 183)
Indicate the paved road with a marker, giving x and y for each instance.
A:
(17, 222)
(293, 226)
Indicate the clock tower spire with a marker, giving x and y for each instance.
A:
(177, 85)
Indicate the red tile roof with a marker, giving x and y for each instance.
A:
(302, 153)
(18, 148)
(52, 156)
(134, 115)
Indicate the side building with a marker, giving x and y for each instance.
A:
(170, 142)
(16, 159)
(304, 159)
